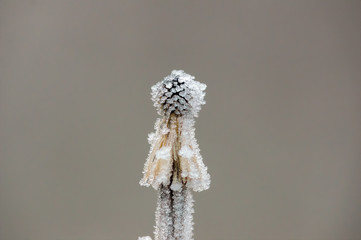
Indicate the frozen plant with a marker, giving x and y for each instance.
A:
(174, 165)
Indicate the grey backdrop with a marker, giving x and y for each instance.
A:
(280, 133)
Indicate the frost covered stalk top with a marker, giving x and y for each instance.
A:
(174, 156)
(174, 165)
(178, 93)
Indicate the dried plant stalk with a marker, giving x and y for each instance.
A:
(174, 165)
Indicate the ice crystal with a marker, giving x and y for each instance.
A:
(174, 165)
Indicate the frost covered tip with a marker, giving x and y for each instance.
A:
(178, 93)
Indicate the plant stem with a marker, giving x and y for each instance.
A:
(174, 219)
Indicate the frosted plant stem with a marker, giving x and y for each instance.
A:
(178, 214)
(163, 215)
(188, 215)
(182, 212)
(174, 219)
(174, 166)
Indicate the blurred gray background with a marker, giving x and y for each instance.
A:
(280, 133)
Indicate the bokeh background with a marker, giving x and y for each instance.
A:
(280, 133)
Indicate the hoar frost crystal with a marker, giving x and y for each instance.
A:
(174, 165)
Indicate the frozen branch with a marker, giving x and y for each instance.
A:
(174, 165)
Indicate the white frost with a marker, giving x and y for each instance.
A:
(145, 238)
(186, 152)
(176, 185)
(178, 93)
(163, 153)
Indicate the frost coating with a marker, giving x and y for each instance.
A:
(145, 238)
(183, 210)
(174, 165)
(174, 222)
(178, 93)
(186, 152)
(163, 153)
(163, 215)
(175, 156)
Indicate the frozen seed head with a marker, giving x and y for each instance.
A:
(178, 94)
